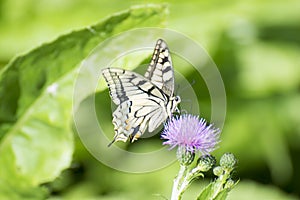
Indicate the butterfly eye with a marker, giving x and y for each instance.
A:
(177, 99)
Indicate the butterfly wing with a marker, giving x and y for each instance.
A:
(139, 102)
(125, 85)
(160, 71)
(131, 119)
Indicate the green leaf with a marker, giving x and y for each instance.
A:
(36, 91)
(22, 192)
(206, 192)
(222, 195)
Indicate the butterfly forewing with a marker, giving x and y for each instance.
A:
(160, 71)
(126, 84)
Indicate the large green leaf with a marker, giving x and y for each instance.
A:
(36, 92)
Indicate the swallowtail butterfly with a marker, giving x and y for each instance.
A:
(142, 101)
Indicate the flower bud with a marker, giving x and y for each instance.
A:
(228, 161)
(229, 184)
(218, 171)
(205, 163)
(184, 156)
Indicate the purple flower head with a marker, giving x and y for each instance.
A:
(192, 133)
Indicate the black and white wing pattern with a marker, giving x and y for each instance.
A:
(160, 71)
(141, 102)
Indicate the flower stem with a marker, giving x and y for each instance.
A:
(219, 184)
(176, 191)
(189, 177)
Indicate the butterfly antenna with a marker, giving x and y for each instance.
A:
(111, 142)
(184, 88)
(190, 103)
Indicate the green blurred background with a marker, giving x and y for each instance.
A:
(256, 46)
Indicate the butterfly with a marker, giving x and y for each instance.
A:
(142, 101)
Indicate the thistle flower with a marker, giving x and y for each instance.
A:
(192, 133)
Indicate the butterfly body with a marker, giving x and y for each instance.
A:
(143, 101)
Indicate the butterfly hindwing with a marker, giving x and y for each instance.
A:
(131, 118)
(160, 71)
